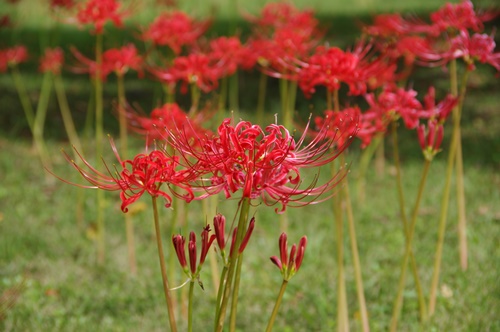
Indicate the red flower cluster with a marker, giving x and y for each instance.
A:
(52, 60)
(175, 29)
(99, 12)
(289, 264)
(219, 229)
(12, 56)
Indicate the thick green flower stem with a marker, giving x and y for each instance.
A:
(398, 303)
(23, 97)
(356, 262)
(209, 207)
(288, 92)
(444, 212)
(276, 306)
(261, 99)
(195, 99)
(129, 226)
(68, 122)
(402, 211)
(190, 307)
(168, 298)
(99, 135)
(169, 93)
(342, 311)
(380, 158)
(40, 115)
(462, 219)
(220, 292)
(228, 288)
(234, 297)
(364, 162)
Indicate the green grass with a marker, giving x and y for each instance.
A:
(64, 289)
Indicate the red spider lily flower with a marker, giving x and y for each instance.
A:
(226, 53)
(394, 25)
(458, 17)
(193, 271)
(169, 117)
(88, 66)
(442, 110)
(262, 163)
(144, 173)
(99, 12)
(197, 69)
(332, 66)
(219, 230)
(52, 60)
(175, 29)
(12, 56)
(334, 120)
(430, 138)
(122, 59)
(394, 103)
(289, 264)
(471, 49)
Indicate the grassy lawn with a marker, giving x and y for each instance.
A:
(42, 246)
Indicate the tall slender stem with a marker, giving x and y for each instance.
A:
(190, 306)
(68, 122)
(168, 298)
(40, 116)
(23, 97)
(404, 221)
(233, 92)
(356, 262)
(228, 289)
(276, 306)
(261, 98)
(234, 298)
(398, 303)
(446, 197)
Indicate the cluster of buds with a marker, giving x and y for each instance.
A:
(193, 270)
(430, 138)
(289, 264)
(219, 227)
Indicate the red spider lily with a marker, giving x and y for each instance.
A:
(99, 12)
(335, 120)
(52, 60)
(226, 53)
(478, 47)
(197, 69)
(120, 60)
(430, 138)
(175, 29)
(219, 229)
(261, 163)
(169, 117)
(88, 66)
(442, 110)
(12, 56)
(332, 66)
(193, 272)
(394, 103)
(394, 25)
(457, 17)
(289, 264)
(144, 173)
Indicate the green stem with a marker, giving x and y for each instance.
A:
(234, 298)
(462, 214)
(220, 292)
(452, 154)
(404, 221)
(24, 98)
(190, 306)
(356, 262)
(276, 306)
(99, 134)
(261, 101)
(228, 289)
(168, 298)
(68, 122)
(195, 99)
(222, 100)
(233, 93)
(408, 249)
(40, 116)
(364, 162)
